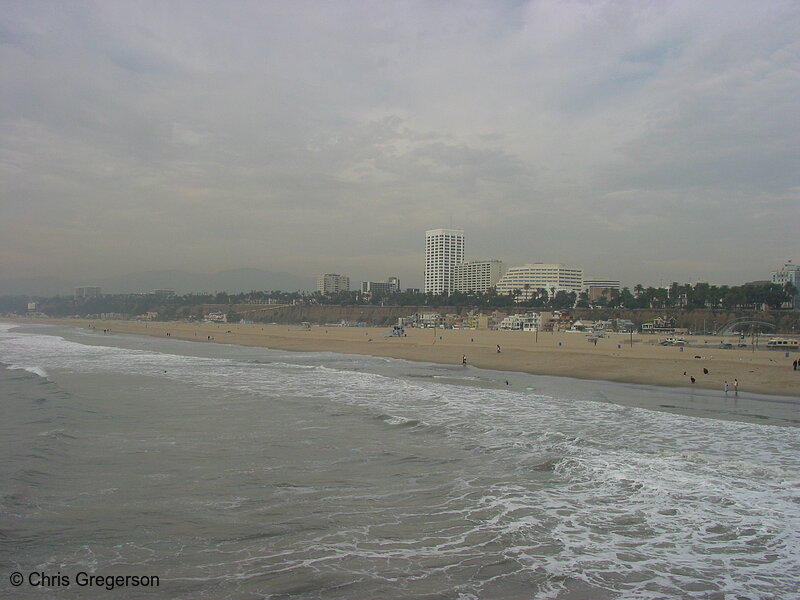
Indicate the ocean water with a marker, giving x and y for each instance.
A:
(232, 472)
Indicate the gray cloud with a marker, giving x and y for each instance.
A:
(645, 141)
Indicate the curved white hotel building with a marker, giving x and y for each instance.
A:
(549, 276)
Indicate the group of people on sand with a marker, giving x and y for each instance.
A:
(726, 386)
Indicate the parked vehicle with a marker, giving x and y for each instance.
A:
(783, 344)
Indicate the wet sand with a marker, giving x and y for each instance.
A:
(620, 358)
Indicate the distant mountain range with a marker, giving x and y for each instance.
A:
(183, 282)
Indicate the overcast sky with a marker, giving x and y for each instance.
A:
(644, 141)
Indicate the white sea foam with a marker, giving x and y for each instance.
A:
(36, 370)
(398, 420)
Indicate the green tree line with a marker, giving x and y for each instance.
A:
(676, 297)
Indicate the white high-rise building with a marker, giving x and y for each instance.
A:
(477, 275)
(552, 277)
(444, 249)
(332, 283)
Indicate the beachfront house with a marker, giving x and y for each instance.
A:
(477, 321)
(521, 322)
(428, 319)
(623, 325)
(454, 321)
(216, 317)
(582, 325)
(660, 325)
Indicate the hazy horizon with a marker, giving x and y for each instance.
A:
(645, 142)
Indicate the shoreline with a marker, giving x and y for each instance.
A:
(562, 354)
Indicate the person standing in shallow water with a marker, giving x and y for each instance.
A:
(726, 388)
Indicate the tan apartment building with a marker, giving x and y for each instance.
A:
(477, 275)
(333, 283)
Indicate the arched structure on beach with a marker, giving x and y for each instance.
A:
(742, 323)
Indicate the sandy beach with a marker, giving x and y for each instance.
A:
(621, 358)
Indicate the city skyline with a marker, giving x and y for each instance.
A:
(643, 142)
(245, 280)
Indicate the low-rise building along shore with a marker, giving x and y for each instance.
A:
(388, 286)
(597, 287)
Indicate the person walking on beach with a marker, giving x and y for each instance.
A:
(736, 387)
(464, 360)
(794, 365)
(726, 388)
(498, 351)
